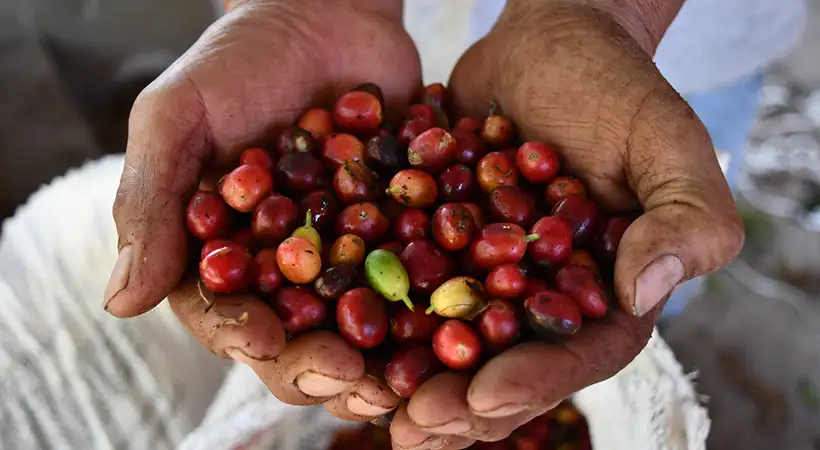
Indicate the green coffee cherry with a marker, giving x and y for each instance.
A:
(387, 275)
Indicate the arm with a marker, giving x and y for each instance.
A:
(645, 20)
(393, 9)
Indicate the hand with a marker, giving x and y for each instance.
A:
(572, 75)
(251, 73)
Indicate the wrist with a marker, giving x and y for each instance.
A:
(391, 9)
(645, 20)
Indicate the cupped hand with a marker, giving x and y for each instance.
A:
(250, 74)
(573, 76)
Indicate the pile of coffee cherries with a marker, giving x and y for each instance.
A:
(427, 246)
(563, 428)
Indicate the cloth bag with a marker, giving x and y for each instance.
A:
(650, 405)
(71, 376)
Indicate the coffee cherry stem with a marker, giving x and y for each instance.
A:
(308, 232)
(532, 237)
(408, 303)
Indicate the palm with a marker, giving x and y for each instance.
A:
(257, 68)
(582, 89)
(595, 94)
(570, 75)
(251, 73)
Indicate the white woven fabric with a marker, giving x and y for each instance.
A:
(71, 377)
(650, 405)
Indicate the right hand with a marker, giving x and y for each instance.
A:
(583, 79)
(252, 72)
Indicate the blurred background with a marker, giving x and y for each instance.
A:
(70, 69)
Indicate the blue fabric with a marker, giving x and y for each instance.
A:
(728, 114)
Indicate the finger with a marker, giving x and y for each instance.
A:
(368, 399)
(312, 369)
(167, 147)
(337, 407)
(440, 407)
(229, 326)
(690, 226)
(538, 375)
(406, 436)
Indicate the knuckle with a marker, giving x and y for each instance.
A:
(119, 200)
(165, 152)
(127, 181)
(489, 431)
(724, 241)
(151, 101)
(164, 118)
(732, 236)
(146, 100)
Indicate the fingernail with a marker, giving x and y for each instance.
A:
(239, 355)
(510, 409)
(120, 275)
(655, 282)
(431, 443)
(318, 385)
(357, 405)
(436, 444)
(456, 426)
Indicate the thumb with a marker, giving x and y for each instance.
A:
(168, 144)
(690, 225)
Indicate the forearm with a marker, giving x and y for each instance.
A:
(389, 8)
(645, 20)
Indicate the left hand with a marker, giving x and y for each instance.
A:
(576, 77)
